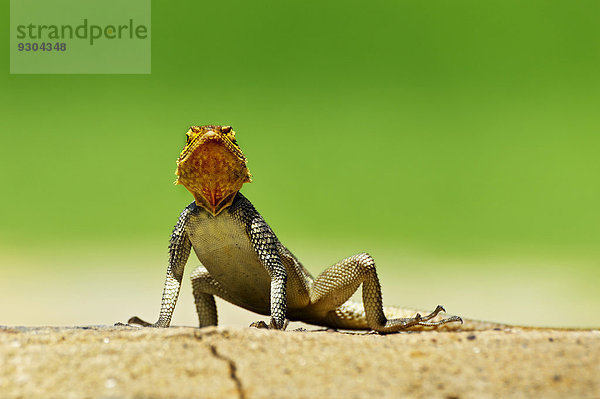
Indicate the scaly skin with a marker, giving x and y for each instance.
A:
(244, 263)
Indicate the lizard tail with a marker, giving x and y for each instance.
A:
(351, 316)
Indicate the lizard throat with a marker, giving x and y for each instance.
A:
(213, 174)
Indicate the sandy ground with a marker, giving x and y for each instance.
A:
(104, 287)
(225, 362)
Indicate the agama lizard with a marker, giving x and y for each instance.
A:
(244, 263)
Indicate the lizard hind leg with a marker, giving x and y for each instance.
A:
(204, 288)
(335, 286)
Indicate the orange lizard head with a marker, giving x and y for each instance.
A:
(212, 167)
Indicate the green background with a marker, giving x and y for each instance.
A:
(459, 137)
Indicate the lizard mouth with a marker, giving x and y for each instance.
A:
(213, 169)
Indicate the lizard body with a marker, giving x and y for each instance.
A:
(244, 263)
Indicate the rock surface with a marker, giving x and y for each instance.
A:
(128, 362)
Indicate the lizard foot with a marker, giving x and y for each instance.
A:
(259, 324)
(140, 322)
(407, 324)
(119, 324)
(272, 326)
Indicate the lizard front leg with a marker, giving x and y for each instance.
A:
(265, 242)
(335, 286)
(179, 252)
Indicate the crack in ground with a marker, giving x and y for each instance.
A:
(232, 371)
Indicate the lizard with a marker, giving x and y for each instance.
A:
(244, 263)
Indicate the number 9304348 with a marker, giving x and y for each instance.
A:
(44, 46)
